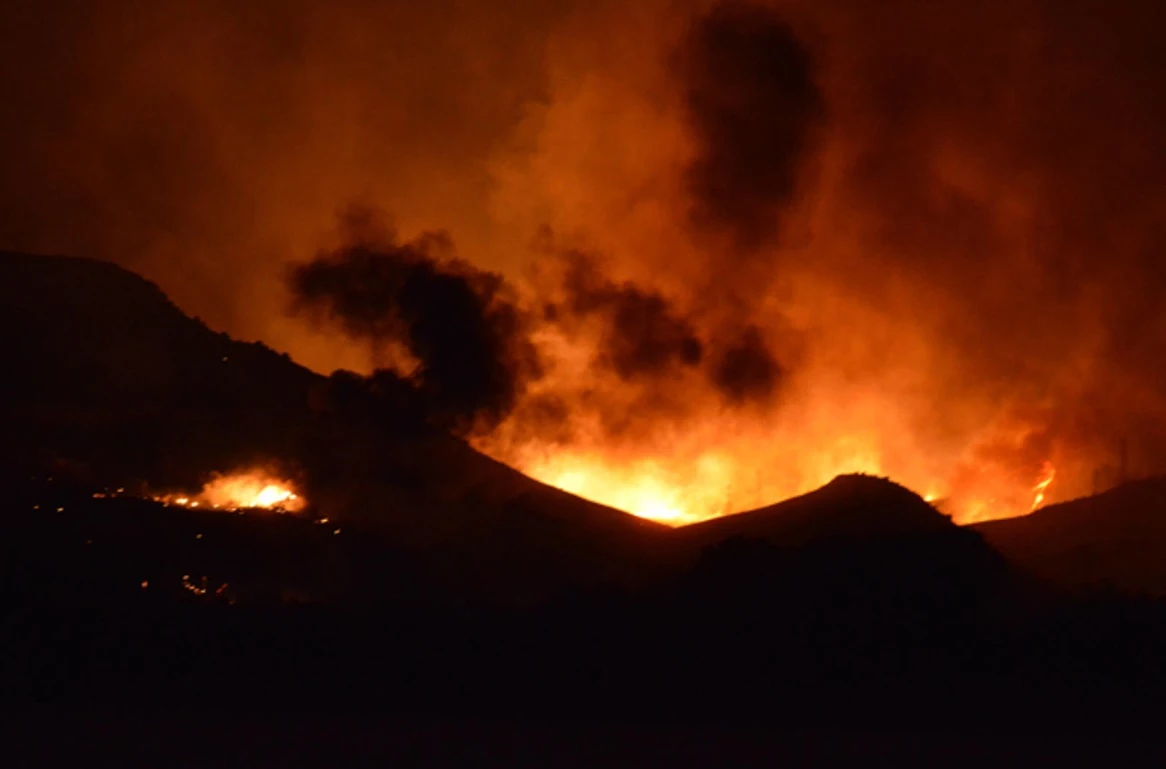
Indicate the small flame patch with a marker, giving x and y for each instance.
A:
(241, 491)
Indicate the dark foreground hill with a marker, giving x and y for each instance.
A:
(123, 602)
(860, 542)
(848, 506)
(1112, 541)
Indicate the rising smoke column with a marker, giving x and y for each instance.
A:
(468, 338)
(754, 108)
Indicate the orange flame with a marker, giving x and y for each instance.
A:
(1048, 473)
(242, 490)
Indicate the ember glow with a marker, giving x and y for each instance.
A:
(242, 491)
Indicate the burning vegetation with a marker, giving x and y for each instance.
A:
(240, 491)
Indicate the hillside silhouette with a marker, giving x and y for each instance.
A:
(848, 506)
(109, 378)
(1112, 541)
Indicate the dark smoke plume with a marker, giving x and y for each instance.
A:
(747, 370)
(456, 320)
(644, 335)
(753, 105)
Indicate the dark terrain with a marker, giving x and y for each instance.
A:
(449, 589)
(1113, 542)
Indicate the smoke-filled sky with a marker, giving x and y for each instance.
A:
(681, 256)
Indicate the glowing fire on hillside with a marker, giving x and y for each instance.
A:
(649, 491)
(241, 491)
(1048, 473)
(725, 466)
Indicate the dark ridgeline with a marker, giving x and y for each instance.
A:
(105, 376)
(850, 505)
(1112, 542)
(446, 583)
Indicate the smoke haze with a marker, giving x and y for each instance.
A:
(914, 239)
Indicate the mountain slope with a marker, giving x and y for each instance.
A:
(848, 506)
(862, 550)
(110, 377)
(1111, 540)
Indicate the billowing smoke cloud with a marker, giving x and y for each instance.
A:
(643, 334)
(754, 106)
(747, 370)
(466, 334)
(645, 337)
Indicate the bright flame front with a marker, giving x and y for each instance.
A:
(716, 469)
(1048, 473)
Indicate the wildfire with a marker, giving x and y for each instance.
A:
(703, 474)
(708, 485)
(1048, 473)
(642, 491)
(239, 491)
